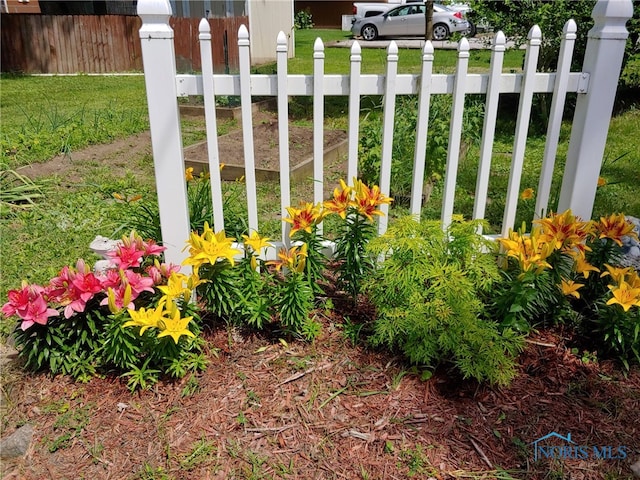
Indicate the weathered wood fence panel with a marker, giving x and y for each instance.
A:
(105, 43)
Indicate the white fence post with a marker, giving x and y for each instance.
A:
(388, 119)
(422, 130)
(522, 129)
(455, 133)
(159, 63)
(318, 124)
(211, 123)
(283, 133)
(555, 118)
(247, 127)
(354, 111)
(489, 126)
(602, 61)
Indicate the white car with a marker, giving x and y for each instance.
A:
(409, 20)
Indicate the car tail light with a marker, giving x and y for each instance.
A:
(355, 10)
(458, 15)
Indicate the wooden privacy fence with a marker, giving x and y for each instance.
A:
(595, 85)
(104, 43)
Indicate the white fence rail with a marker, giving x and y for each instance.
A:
(595, 85)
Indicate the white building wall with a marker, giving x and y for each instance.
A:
(266, 19)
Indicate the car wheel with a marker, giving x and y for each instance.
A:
(440, 31)
(369, 32)
(472, 30)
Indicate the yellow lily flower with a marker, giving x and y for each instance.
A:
(584, 267)
(146, 318)
(530, 251)
(188, 174)
(304, 218)
(527, 194)
(174, 326)
(615, 227)
(633, 279)
(294, 258)
(570, 288)
(209, 248)
(618, 274)
(565, 231)
(367, 200)
(625, 296)
(175, 287)
(256, 242)
(341, 200)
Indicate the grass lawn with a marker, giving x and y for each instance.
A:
(374, 59)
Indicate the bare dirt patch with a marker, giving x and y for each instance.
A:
(118, 155)
(266, 146)
(115, 156)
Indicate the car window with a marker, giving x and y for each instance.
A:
(400, 12)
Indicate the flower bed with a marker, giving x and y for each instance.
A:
(439, 297)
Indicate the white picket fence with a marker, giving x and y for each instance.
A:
(595, 84)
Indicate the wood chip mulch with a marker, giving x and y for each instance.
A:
(265, 409)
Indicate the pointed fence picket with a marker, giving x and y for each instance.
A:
(595, 86)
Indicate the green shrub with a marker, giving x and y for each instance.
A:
(427, 293)
(303, 20)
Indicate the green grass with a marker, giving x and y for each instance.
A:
(52, 115)
(374, 59)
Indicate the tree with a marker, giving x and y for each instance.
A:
(516, 17)
(428, 12)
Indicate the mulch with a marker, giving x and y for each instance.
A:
(266, 409)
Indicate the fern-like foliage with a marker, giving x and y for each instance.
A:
(427, 292)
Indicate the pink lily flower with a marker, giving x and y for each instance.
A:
(152, 248)
(159, 272)
(19, 300)
(59, 286)
(37, 312)
(138, 283)
(112, 279)
(120, 297)
(127, 256)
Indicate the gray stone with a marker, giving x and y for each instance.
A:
(7, 355)
(631, 247)
(635, 468)
(16, 444)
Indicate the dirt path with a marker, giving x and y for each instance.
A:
(115, 156)
(121, 153)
